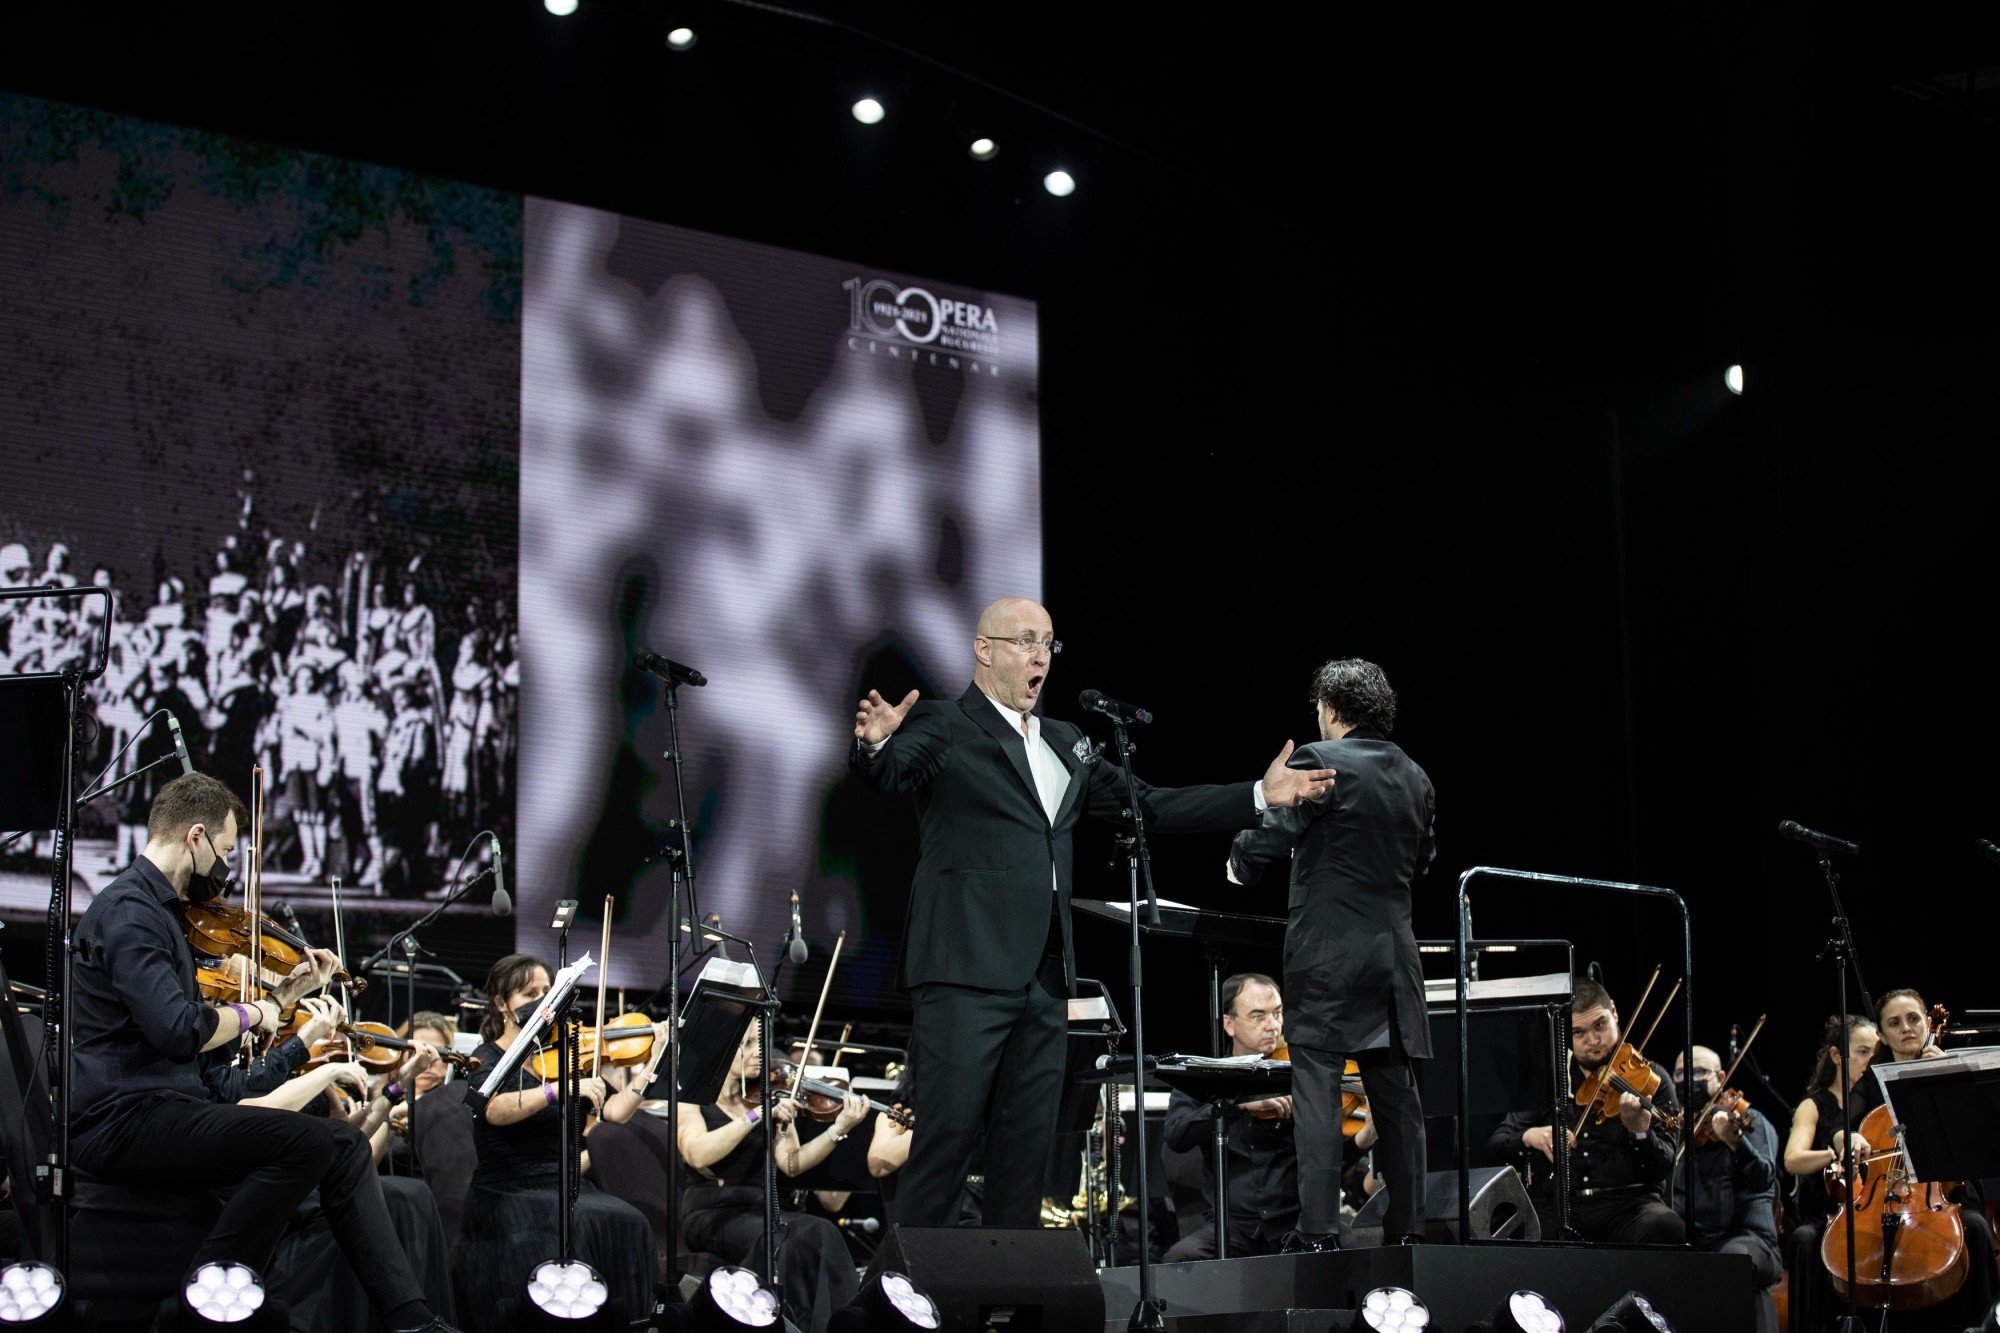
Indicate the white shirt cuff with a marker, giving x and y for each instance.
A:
(876, 748)
(1257, 795)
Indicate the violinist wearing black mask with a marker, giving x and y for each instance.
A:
(1730, 1168)
(143, 1115)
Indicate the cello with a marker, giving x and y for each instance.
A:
(1909, 1239)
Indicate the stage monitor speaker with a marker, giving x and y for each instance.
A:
(1500, 1208)
(1017, 1279)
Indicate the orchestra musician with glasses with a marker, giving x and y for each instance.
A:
(987, 955)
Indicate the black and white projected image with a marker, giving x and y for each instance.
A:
(773, 467)
(268, 398)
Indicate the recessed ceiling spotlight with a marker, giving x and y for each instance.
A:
(680, 39)
(984, 149)
(1732, 380)
(562, 9)
(1059, 183)
(869, 111)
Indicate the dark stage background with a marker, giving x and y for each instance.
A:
(1401, 340)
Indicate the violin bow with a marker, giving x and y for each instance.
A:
(813, 1031)
(253, 903)
(1665, 1005)
(603, 970)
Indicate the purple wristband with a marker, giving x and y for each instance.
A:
(246, 1021)
(549, 1092)
(756, 1114)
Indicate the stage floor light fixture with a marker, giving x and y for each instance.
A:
(732, 1298)
(1392, 1310)
(1059, 183)
(1522, 1311)
(888, 1303)
(562, 9)
(31, 1295)
(680, 39)
(1631, 1313)
(222, 1294)
(571, 1291)
(1732, 380)
(869, 111)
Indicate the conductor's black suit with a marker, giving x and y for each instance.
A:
(1354, 985)
(986, 947)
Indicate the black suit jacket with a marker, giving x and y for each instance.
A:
(979, 905)
(1351, 963)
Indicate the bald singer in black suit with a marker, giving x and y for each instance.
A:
(1354, 985)
(986, 947)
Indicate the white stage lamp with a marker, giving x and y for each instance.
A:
(983, 149)
(680, 39)
(562, 9)
(1059, 183)
(1732, 380)
(1522, 1311)
(1631, 1313)
(31, 1295)
(217, 1294)
(889, 1303)
(733, 1298)
(1393, 1310)
(571, 1291)
(869, 111)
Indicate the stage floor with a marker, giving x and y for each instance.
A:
(1696, 1292)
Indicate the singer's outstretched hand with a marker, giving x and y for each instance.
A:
(1289, 786)
(878, 719)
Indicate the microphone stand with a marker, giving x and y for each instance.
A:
(1149, 1314)
(766, 1019)
(1841, 947)
(406, 940)
(679, 850)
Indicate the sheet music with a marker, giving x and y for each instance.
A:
(560, 990)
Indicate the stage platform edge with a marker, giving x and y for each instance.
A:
(1697, 1292)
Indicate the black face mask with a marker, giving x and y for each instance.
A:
(205, 888)
(526, 1012)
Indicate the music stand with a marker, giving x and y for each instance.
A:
(1946, 1109)
(727, 996)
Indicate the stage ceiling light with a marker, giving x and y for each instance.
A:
(730, 1299)
(31, 1295)
(1732, 380)
(1631, 1313)
(1392, 1310)
(889, 1303)
(1522, 1311)
(562, 9)
(571, 1291)
(222, 1294)
(1059, 183)
(869, 111)
(985, 150)
(680, 39)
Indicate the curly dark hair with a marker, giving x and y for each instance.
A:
(1358, 691)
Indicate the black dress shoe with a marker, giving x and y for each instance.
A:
(1412, 1238)
(1307, 1242)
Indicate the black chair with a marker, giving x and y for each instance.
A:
(441, 1139)
(637, 1162)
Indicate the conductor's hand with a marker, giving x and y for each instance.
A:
(878, 719)
(1289, 786)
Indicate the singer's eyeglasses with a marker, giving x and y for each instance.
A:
(1027, 643)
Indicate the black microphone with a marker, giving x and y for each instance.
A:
(1734, 1032)
(867, 1226)
(1987, 848)
(669, 670)
(503, 905)
(180, 745)
(798, 949)
(1798, 832)
(1111, 708)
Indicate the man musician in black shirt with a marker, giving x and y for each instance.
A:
(143, 1112)
(1620, 1165)
(1263, 1159)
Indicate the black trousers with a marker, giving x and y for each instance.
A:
(1637, 1217)
(986, 1063)
(1766, 1269)
(268, 1161)
(1399, 1150)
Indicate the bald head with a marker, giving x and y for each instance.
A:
(1009, 674)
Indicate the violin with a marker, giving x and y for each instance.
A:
(377, 1048)
(1628, 1072)
(626, 1040)
(1353, 1101)
(218, 933)
(820, 1099)
(1731, 1103)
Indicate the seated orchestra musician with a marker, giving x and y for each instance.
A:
(1619, 1165)
(149, 1108)
(1263, 1156)
(722, 1210)
(1731, 1175)
(510, 1205)
(437, 1031)
(1815, 1142)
